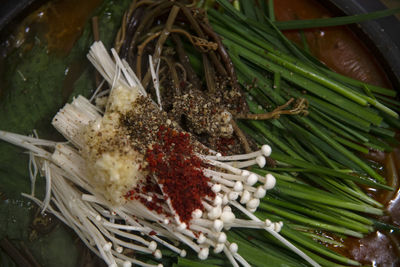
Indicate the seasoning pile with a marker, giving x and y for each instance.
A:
(200, 97)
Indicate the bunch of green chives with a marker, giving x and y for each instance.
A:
(318, 164)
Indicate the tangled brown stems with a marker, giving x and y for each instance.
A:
(155, 28)
(300, 108)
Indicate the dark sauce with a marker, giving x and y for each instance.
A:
(341, 50)
(57, 24)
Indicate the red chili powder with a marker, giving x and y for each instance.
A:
(148, 187)
(177, 168)
(224, 145)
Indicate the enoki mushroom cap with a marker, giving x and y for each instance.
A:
(270, 181)
(203, 253)
(227, 216)
(233, 247)
(222, 238)
(246, 196)
(218, 225)
(201, 239)
(197, 213)
(218, 248)
(266, 150)
(251, 179)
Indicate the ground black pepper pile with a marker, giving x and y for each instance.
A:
(164, 29)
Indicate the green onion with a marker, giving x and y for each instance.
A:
(271, 12)
(318, 167)
(327, 22)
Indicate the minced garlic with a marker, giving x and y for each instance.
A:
(121, 99)
(114, 167)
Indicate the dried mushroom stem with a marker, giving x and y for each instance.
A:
(300, 108)
(209, 74)
(130, 22)
(199, 43)
(184, 59)
(160, 42)
(223, 54)
(173, 73)
(242, 137)
(196, 26)
(121, 34)
(166, 32)
(146, 22)
(194, 19)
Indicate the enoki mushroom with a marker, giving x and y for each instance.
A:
(129, 178)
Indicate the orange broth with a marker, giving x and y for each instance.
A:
(341, 50)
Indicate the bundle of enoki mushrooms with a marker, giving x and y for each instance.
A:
(129, 178)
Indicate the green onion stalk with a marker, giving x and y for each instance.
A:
(318, 169)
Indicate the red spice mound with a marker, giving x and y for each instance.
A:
(177, 168)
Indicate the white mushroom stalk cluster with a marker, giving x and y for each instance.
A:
(234, 182)
(113, 227)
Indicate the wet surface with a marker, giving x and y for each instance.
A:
(377, 249)
(337, 47)
(342, 51)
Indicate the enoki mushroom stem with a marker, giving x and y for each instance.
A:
(107, 223)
